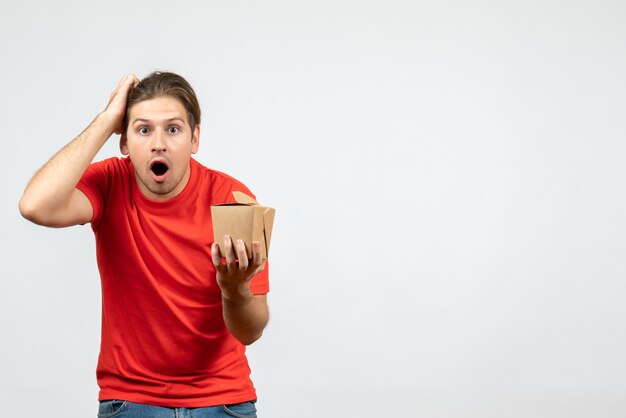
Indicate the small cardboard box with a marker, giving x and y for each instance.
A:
(246, 220)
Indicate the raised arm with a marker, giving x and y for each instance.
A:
(51, 197)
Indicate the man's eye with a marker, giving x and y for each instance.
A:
(143, 130)
(173, 129)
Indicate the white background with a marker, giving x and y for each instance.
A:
(449, 182)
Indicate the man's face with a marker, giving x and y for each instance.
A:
(160, 142)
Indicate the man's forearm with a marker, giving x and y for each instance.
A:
(52, 186)
(245, 316)
(48, 198)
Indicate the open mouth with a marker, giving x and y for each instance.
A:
(159, 168)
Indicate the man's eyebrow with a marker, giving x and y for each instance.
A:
(176, 118)
(142, 120)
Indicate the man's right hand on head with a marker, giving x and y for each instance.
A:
(116, 108)
(51, 197)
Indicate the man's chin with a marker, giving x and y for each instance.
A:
(160, 189)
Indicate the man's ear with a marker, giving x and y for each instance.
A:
(124, 144)
(195, 139)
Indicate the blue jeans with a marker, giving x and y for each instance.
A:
(125, 409)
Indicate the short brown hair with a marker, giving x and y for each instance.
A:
(159, 84)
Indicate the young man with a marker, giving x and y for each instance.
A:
(175, 317)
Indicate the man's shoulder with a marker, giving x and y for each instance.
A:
(106, 170)
(220, 182)
(112, 162)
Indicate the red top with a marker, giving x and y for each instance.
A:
(164, 341)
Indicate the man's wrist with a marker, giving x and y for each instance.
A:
(241, 295)
(109, 122)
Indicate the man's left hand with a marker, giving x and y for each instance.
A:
(234, 276)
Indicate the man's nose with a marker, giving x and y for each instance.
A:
(158, 142)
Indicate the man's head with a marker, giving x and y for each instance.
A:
(162, 131)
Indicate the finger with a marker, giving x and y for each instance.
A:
(125, 80)
(241, 254)
(256, 255)
(215, 254)
(130, 82)
(228, 250)
(123, 87)
(217, 260)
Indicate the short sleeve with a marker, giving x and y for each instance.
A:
(94, 184)
(260, 285)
